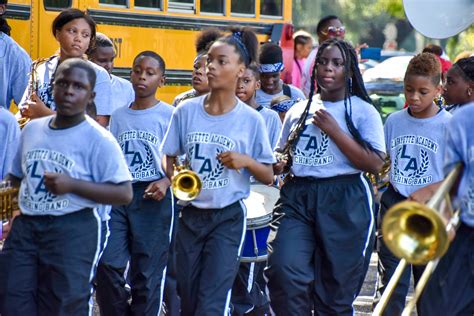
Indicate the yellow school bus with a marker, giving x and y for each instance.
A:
(168, 27)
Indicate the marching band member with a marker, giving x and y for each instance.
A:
(49, 258)
(415, 140)
(75, 32)
(319, 254)
(103, 54)
(224, 154)
(450, 290)
(459, 86)
(139, 231)
(199, 78)
(270, 66)
(247, 292)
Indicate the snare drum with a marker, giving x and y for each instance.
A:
(259, 205)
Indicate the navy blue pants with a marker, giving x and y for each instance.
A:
(208, 247)
(388, 263)
(248, 297)
(48, 263)
(139, 232)
(171, 298)
(450, 290)
(318, 258)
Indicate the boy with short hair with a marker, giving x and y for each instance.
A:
(49, 258)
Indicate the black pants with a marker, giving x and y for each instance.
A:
(319, 256)
(450, 290)
(208, 246)
(388, 262)
(48, 263)
(171, 298)
(139, 232)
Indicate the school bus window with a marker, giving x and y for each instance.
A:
(271, 7)
(212, 6)
(181, 4)
(114, 2)
(155, 4)
(57, 4)
(243, 7)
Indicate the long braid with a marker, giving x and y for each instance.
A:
(294, 136)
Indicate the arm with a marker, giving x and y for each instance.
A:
(424, 194)
(362, 158)
(103, 120)
(104, 193)
(168, 165)
(233, 160)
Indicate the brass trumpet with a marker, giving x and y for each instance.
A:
(418, 235)
(8, 200)
(380, 180)
(186, 184)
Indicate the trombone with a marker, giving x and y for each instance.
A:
(8, 200)
(417, 234)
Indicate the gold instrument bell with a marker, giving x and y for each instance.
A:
(186, 184)
(8, 200)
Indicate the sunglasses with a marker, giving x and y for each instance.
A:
(334, 31)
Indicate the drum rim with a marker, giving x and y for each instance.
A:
(259, 222)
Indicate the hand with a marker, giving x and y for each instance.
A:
(359, 47)
(233, 160)
(6, 227)
(326, 122)
(280, 167)
(35, 108)
(157, 189)
(58, 183)
(421, 195)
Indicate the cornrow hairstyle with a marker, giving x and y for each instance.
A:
(102, 40)
(155, 56)
(245, 43)
(205, 39)
(322, 23)
(270, 53)
(67, 16)
(354, 87)
(426, 65)
(466, 68)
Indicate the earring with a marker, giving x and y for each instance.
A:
(469, 92)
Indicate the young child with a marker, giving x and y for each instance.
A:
(224, 155)
(320, 251)
(141, 230)
(247, 86)
(271, 66)
(303, 46)
(49, 258)
(282, 104)
(247, 293)
(75, 32)
(103, 54)
(450, 289)
(415, 139)
(199, 78)
(459, 86)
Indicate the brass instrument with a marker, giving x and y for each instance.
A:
(186, 184)
(417, 234)
(8, 200)
(381, 179)
(33, 84)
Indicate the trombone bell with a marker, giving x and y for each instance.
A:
(186, 185)
(415, 232)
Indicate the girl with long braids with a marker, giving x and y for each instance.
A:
(318, 256)
(224, 155)
(459, 87)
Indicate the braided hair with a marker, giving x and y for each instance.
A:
(354, 87)
(466, 67)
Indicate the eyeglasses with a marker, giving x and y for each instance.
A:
(334, 31)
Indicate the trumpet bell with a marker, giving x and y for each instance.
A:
(415, 232)
(186, 185)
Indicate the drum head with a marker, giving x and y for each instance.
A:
(261, 201)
